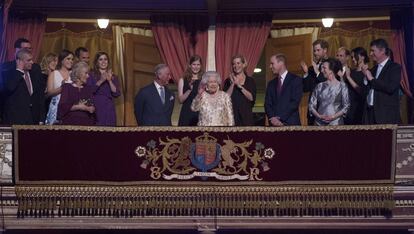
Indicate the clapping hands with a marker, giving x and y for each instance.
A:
(367, 72)
(315, 67)
(106, 76)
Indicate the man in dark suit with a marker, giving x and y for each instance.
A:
(154, 103)
(23, 92)
(313, 75)
(382, 104)
(35, 73)
(283, 94)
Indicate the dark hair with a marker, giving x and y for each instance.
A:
(62, 55)
(359, 51)
(391, 54)
(324, 44)
(188, 74)
(382, 44)
(95, 62)
(334, 65)
(79, 50)
(18, 42)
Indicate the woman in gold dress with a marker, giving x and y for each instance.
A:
(214, 106)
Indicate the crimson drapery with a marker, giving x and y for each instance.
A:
(31, 27)
(240, 34)
(178, 37)
(398, 49)
(5, 15)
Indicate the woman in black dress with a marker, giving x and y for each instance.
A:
(242, 90)
(354, 79)
(187, 90)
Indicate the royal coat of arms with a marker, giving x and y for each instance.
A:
(183, 159)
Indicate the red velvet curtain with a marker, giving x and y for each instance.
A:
(240, 34)
(398, 49)
(5, 15)
(178, 37)
(31, 27)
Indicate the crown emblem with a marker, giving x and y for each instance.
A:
(206, 138)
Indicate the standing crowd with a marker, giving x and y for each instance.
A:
(65, 90)
(62, 90)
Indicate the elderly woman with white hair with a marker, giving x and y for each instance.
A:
(214, 106)
(75, 105)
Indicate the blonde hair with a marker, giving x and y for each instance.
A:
(46, 60)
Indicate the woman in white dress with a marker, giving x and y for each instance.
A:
(55, 81)
(214, 106)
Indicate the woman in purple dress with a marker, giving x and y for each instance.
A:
(106, 88)
(75, 104)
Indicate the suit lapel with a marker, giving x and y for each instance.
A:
(384, 69)
(168, 96)
(156, 95)
(21, 74)
(33, 80)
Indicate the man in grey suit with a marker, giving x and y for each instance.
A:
(154, 103)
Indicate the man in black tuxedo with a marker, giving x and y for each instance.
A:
(35, 73)
(312, 75)
(154, 103)
(23, 92)
(382, 104)
(283, 94)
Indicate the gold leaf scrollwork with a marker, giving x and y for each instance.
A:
(172, 157)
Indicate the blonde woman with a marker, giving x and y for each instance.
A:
(242, 90)
(48, 65)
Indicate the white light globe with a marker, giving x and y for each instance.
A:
(103, 23)
(327, 22)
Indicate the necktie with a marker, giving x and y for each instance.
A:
(28, 83)
(279, 85)
(370, 98)
(162, 94)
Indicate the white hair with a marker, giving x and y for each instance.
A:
(77, 69)
(159, 67)
(208, 74)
